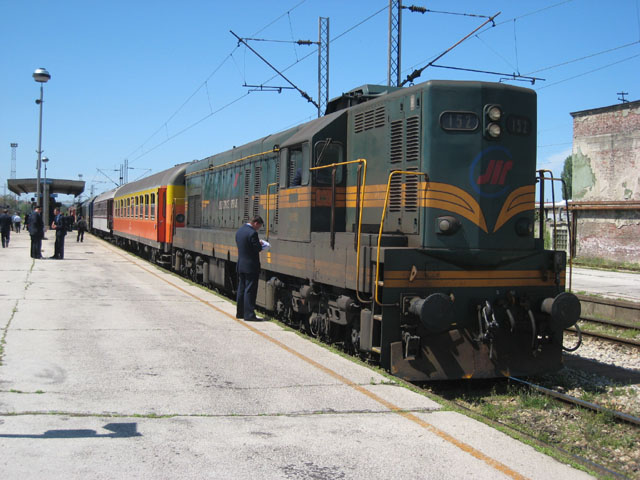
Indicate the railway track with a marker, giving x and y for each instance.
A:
(608, 317)
(578, 402)
(540, 426)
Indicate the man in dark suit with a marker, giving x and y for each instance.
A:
(6, 223)
(249, 247)
(60, 226)
(36, 230)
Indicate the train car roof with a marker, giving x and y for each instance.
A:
(105, 196)
(291, 136)
(171, 176)
(306, 130)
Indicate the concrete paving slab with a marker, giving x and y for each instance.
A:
(147, 376)
(317, 446)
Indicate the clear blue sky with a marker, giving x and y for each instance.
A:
(161, 82)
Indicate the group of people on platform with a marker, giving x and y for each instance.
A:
(33, 222)
(247, 241)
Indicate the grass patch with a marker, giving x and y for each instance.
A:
(605, 264)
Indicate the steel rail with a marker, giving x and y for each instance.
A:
(612, 323)
(604, 336)
(499, 424)
(581, 403)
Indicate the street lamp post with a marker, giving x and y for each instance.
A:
(41, 76)
(45, 196)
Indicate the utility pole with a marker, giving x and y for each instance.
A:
(395, 34)
(622, 94)
(323, 64)
(13, 163)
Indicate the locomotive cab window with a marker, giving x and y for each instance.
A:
(327, 153)
(296, 163)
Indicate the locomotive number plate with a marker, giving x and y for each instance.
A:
(518, 125)
(467, 121)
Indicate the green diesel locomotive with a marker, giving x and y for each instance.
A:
(401, 225)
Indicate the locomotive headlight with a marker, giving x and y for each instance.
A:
(494, 130)
(494, 113)
(447, 225)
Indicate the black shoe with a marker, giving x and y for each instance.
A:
(254, 319)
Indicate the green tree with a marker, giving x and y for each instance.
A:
(567, 174)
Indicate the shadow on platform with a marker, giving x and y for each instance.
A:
(120, 430)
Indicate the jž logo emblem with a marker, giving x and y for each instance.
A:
(496, 172)
(490, 179)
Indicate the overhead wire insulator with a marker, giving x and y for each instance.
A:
(414, 8)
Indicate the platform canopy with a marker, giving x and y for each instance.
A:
(29, 185)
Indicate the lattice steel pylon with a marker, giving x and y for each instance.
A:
(395, 34)
(13, 160)
(323, 64)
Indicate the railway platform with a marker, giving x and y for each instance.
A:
(113, 368)
(606, 283)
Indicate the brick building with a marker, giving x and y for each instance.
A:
(606, 182)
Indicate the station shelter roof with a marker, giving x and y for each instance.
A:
(56, 185)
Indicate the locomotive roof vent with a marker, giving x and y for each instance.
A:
(358, 95)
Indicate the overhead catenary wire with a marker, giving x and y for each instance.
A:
(166, 122)
(304, 94)
(230, 56)
(534, 12)
(589, 71)
(584, 58)
(497, 24)
(197, 122)
(416, 73)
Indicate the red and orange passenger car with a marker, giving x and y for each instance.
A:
(146, 212)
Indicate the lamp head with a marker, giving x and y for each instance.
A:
(41, 75)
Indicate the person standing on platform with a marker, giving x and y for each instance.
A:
(248, 267)
(6, 224)
(36, 230)
(82, 227)
(59, 225)
(16, 222)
